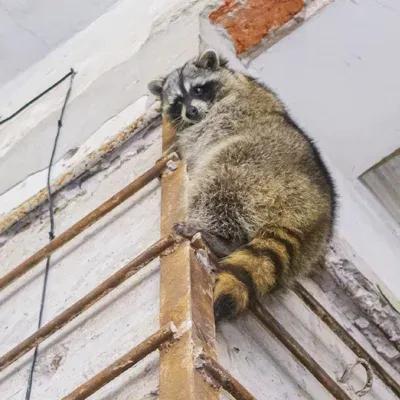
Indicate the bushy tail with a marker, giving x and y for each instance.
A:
(255, 269)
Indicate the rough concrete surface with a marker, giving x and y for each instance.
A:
(367, 297)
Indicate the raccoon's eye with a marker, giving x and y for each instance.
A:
(198, 90)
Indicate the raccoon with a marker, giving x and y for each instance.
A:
(259, 191)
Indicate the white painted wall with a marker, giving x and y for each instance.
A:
(340, 74)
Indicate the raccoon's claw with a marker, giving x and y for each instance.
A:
(184, 230)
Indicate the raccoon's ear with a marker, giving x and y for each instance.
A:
(209, 59)
(155, 87)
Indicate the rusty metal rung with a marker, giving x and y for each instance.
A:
(89, 300)
(185, 298)
(125, 362)
(223, 377)
(84, 223)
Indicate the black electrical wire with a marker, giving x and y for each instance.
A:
(70, 73)
(51, 212)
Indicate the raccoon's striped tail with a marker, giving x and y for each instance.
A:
(254, 270)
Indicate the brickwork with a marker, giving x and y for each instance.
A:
(249, 21)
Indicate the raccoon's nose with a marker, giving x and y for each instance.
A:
(192, 111)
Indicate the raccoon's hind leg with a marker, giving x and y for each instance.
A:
(255, 269)
(218, 245)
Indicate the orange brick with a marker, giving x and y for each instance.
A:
(248, 21)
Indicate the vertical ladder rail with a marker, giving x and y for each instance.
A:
(186, 298)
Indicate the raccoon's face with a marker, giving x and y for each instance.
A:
(188, 93)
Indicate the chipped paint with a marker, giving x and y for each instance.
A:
(150, 119)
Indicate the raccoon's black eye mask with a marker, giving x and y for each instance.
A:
(209, 60)
(205, 92)
(175, 109)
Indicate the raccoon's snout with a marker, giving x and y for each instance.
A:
(192, 112)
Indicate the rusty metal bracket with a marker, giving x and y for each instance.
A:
(125, 362)
(222, 377)
(370, 376)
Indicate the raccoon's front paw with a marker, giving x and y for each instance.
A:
(185, 230)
